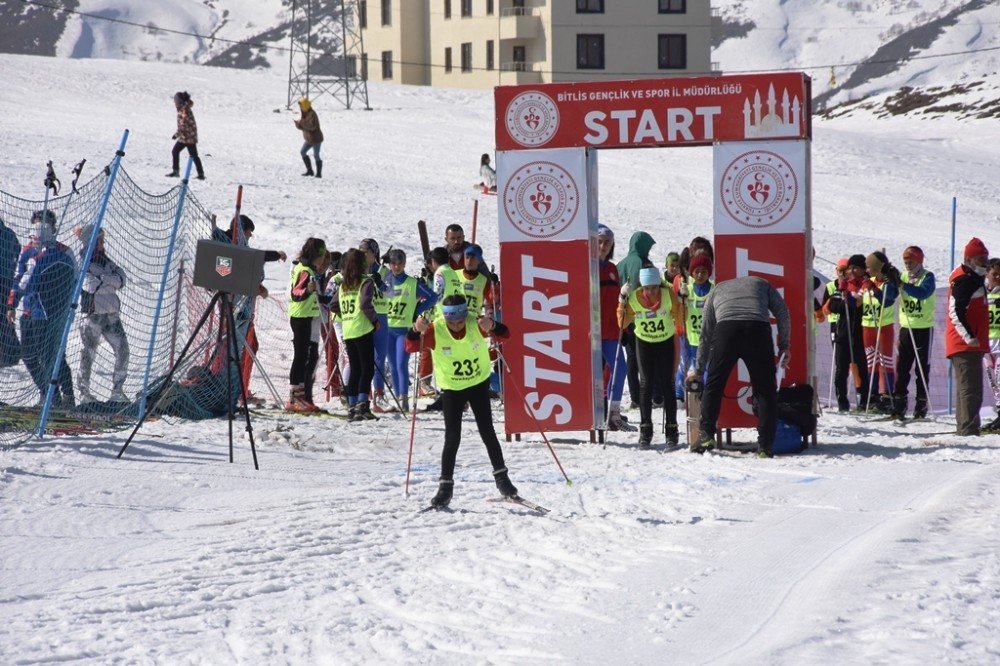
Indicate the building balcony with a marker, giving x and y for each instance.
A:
(517, 73)
(519, 23)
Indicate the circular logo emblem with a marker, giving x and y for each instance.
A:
(759, 189)
(532, 119)
(541, 199)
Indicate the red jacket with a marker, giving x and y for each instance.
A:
(610, 290)
(968, 314)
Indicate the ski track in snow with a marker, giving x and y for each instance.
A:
(173, 555)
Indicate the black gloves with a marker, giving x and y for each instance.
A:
(892, 274)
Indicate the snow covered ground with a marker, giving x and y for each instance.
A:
(881, 545)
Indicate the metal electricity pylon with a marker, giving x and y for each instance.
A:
(325, 52)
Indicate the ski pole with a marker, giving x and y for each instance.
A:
(527, 407)
(876, 361)
(611, 380)
(388, 387)
(413, 418)
(920, 369)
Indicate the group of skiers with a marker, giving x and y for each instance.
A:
(366, 302)
(861, 308)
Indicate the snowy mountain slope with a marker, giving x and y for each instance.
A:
(857, 50)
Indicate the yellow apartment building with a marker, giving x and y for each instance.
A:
(486, 43)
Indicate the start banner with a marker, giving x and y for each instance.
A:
(653, 112)
(550, 354)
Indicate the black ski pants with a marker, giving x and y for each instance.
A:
(842, 370)
(656, 365)
(305, 353)
(750, 342)
(453, 405)
(361, 356)
(192, 149)
(907, 355)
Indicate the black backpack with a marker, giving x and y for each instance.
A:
(795, 405)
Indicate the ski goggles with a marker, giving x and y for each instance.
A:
(456, 312)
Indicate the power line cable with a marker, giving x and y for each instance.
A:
(265, 46)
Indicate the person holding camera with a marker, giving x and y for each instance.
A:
(736, 326)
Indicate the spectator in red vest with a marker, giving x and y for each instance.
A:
(967, 334)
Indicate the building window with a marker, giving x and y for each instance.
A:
(386, 65)
(447, 9)
(518, 55)
(590, 51)
(672, 52)
(589, 6)
(467, 57)
(489, 55)
(466, 8)
(386, 12)
(363, 14)
(489, 7)
(447, 60)
(673, 6)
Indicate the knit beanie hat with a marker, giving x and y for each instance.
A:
(856, 260)
(649, 277)
(842, 262)
(975, 248)
(700, 261)
(915, 253)
(605, 231)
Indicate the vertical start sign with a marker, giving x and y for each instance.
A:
(548, 269)
(762, 228)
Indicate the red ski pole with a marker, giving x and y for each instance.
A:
(535, 418)
(413, 416)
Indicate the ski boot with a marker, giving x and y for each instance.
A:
(645, 435)
(443, 497)
(920, 408)
(617, 423)
(672, 435)
(504, 485)
(898, 410)
(704, 442)
(992, 427)
(364, 412)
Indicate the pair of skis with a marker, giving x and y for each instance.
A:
(517, 499)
